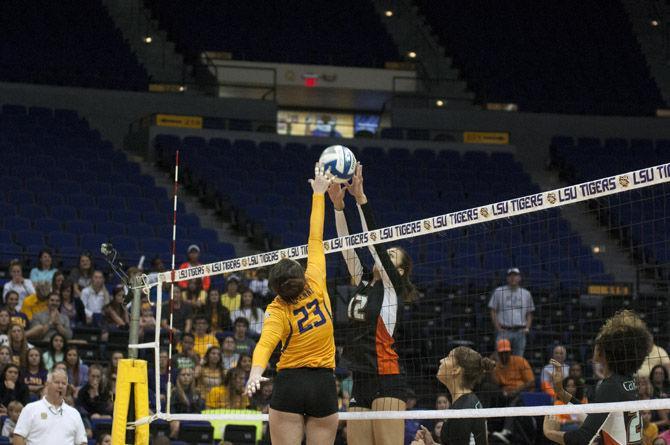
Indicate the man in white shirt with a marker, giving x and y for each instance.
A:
(95, 296)
(512, 310)
(50, 421)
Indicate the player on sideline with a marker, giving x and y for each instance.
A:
(620, 347)
(304, 398)
(460, 371)
(374, 313)
(50, 421)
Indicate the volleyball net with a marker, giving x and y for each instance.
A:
(583, 252)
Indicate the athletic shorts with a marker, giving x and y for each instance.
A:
(368, 387)
(305, 391)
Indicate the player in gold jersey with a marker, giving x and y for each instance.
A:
(304, 397)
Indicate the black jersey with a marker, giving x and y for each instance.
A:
(374, 310)
(615, 428)
(466, 431)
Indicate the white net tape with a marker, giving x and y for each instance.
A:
(598, 188)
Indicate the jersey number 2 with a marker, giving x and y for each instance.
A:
(303, 312)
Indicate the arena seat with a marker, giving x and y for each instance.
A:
(563, 60)
(89, 52)
(348, 32)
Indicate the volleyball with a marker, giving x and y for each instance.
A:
(340, 161)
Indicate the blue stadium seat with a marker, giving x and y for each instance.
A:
(32, 211)
(127, 189)
(92, 241)
(62, 240)
(110, 228)
(80, 200)
(155, 245)
(15, 223)
(47, 224)
(127, 217)
(29, 237)
(19, 197)
(111, 202)
(93, 214)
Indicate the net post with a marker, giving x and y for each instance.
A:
(157, 339)
(134, 330)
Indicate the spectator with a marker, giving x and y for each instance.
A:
(104, 439)
(411, 425)
(13, 411)
(15, 316)
(18, 345)
(187, 358)
(576, 371)
(162, 374)
(243, 344)
(77, 372)
(193, 254)
(194, 293)
(571, 422)
(657, 356)
(441, 402)
(249, 309)
(261, 400)
(22, 286)
(217, 314)
(95, 296)
(94, 398)
(513, 375)
(649, 428)
(182, 314)
(44, 272)
(203, 339)
(115, 313)
(231, 395)
(46, 323)
(57, 281)
(55, 351)
(512, 312)
(559, 354)
(5, 324)
(660, 383)
(185, 399)
(231, 299)
(437, 430)
(244, 363)
(259, 284)
(82, 275)
(113, 365)
(211, 371)
(34, 375)
(229, 357)
(71, 306)
(5, 356)
(12, 388)
(37, 302)
(147, 319)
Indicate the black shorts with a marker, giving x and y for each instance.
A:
(306, 391)
(368, 387)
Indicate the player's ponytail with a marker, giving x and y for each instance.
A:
(408, 292)
(474, 366)
(287, 280)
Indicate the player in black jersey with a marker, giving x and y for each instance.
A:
(620, 347)
(460, 371)
(374, 313)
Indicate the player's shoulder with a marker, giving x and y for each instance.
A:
(616, 388)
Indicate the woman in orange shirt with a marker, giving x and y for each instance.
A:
(304, 398)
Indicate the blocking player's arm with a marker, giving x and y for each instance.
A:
(354, 265)
(18, 440)
(316, 256)
(606, 392)
(389, 273)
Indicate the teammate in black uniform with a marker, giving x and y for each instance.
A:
(374, 313)
(620, 347)
(459, 372)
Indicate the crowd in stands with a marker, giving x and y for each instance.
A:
(215, 332)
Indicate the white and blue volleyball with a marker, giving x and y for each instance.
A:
(341, 162)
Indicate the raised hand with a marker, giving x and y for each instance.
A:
(322, 179)
(336, 194)
(356, 187)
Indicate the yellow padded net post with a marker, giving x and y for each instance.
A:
(131, 373)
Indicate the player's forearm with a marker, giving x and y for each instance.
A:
(555, 436)
(316, 218)
(18, 440)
